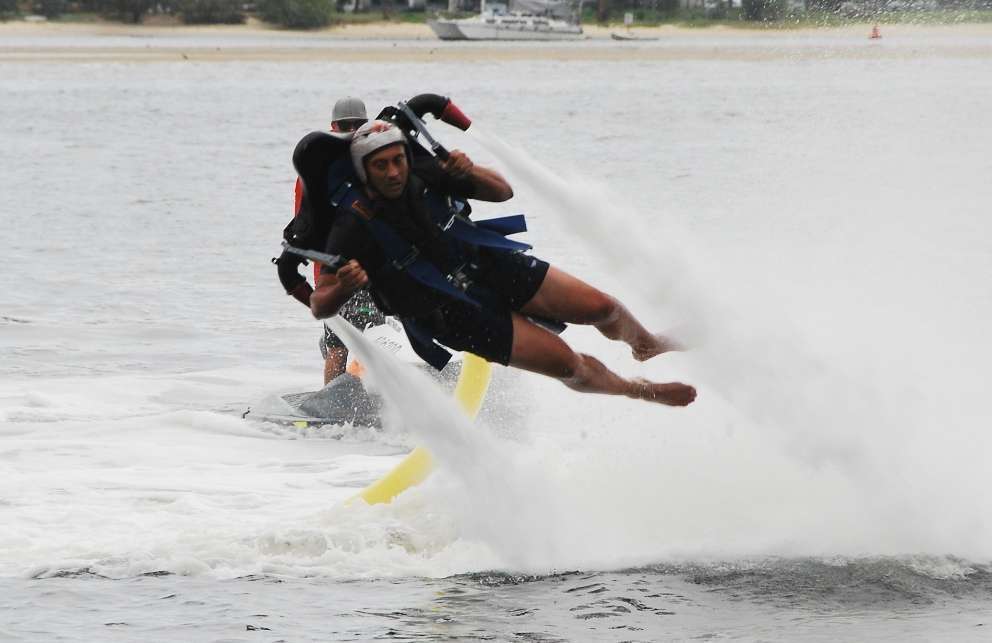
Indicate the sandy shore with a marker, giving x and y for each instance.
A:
(88, 42)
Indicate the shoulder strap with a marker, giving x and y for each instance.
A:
(403, 255)
(447, 212)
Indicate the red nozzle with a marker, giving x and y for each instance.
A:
(454, 116)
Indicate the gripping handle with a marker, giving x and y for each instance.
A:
(332, 261)
(440, 151)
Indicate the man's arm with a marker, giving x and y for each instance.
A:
(334, 289)
(488, 184)
(295, 284)
(288, 265)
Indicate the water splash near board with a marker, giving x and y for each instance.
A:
(469, 393)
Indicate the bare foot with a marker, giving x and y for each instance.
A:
(659, 345)
(670, 393)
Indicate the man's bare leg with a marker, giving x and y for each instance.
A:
(334, 363)
(571, 300)
(541, 351)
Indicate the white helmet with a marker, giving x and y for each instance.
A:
(370, 138)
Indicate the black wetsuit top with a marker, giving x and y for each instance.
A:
(397, 292)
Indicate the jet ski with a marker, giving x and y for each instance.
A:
(346, 400)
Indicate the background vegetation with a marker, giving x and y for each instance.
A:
(229, 12)
(297, 14)
(314, 14)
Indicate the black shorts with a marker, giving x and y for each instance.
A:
(516, 277)
(488, 332)
(359, 311)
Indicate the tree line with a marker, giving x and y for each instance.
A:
(296, 14)
(309, 14)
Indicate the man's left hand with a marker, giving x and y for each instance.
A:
(458, 165)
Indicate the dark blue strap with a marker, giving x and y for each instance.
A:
(340, 180)
(555, 326)
(425, 346)
(440, 206)
(465, 230)
(447, 213)
(340, 193)
(507, 225)
(403, 256)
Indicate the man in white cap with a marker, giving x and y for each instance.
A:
(348, 115)
(498, 326)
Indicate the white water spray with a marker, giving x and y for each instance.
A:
(861, 449)
(493, 490)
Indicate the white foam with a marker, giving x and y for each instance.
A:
(827, 448)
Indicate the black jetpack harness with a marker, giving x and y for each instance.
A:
(313, 155)
(318, 155)
(340, 194)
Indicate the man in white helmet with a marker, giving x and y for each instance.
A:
(493, 317)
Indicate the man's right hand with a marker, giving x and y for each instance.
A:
(352, 276)
(458, 165)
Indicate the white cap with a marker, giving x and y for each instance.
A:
(370, 138)
(349, 109)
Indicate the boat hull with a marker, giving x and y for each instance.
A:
(473, 30)
(446, 30)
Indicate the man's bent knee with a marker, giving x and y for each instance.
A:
(570, 368)
(582, 373)
(601, 308)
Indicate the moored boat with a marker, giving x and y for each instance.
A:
(526, 20)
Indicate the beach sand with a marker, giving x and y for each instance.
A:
(105, 41)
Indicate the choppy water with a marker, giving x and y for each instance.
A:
(818, 226)
(771, 600)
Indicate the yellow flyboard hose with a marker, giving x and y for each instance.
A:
(469, 391)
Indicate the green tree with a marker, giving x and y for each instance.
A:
(126, 10)
(51, 8)
(8, 9)
(206, 12)
(296, 14)
(763, 10)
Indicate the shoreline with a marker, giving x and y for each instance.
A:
(74, 42)
(389, 30)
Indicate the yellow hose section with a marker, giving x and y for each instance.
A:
(414, 469)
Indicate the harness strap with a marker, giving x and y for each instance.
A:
(425, 346)
(338, 181)
(476, 235)
(505, 226)
(447, 214)
(402, 255)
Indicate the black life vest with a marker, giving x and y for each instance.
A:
(456, 232)
(331, 189)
